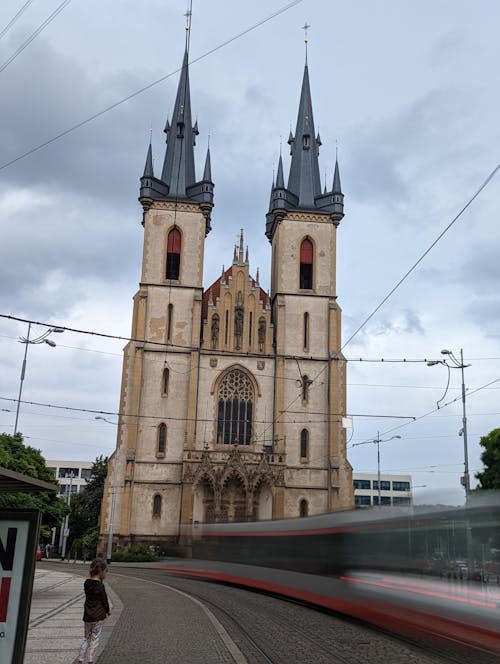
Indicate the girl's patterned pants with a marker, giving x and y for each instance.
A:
(92, 634)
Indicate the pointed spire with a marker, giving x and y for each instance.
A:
(222, 274)
(257, 278)
(304, 180)
(207, 172)
(280, 180)
(246, 255)
(235, 254)
(148, 167)
(336, 188)
(240, 252)
(178, 168)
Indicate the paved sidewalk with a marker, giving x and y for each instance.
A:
(56, 627)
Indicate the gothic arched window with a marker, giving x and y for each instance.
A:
(306, 264)
(162, 438)
(157, 505)
(165, 379)
(235, 408)
(173, 254)
(304, 444)
(303, 508)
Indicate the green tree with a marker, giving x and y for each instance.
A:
(489, 478)
(86, 508)
(21, 458)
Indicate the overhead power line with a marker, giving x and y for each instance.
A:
(413, 267)
(82, 123)
(35, 34)
(16, 17)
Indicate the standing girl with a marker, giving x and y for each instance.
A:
(95, 611)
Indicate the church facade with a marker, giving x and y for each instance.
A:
(232, 397)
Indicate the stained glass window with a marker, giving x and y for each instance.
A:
(235, 409)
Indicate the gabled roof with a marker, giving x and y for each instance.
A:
(215, 290)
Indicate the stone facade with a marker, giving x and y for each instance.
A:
(232, 398)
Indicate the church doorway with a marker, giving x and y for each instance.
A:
(233, 501)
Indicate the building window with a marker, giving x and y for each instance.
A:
(303, 508)
(400, 486)
(384, 500)
(385, 485)
(157, 505)
(362, 484)
(362, 501)
(226, 328)
(165, 379)
(306, 331)
(162, 438)
(68, 472)
(250, 322)
(306, 264)
(304, 444)
(170, 315)
(173, 254)
(401, 500)
(86, 474)
(235, 409)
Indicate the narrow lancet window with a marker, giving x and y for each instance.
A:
(303, 508)
(170, 315)
(173, 254)
(306, 264)
(162, 438)
(157, 505)
(304, 444)
(306, 331)
(165, 379)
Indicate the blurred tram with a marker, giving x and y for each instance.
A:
(430, 575)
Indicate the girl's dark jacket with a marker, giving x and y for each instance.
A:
(96, 601)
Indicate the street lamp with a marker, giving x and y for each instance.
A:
(109, 547)
(455, 363)
(42, 339)
(376, 441)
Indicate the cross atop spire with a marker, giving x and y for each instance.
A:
(305, 28)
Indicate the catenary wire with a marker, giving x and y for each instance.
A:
(34, 34)
(16, 17)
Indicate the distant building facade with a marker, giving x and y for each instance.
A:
(71, 476)
(394, 489)
(232, 397)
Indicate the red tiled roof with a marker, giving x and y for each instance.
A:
(216, 287)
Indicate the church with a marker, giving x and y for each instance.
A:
(232, 396)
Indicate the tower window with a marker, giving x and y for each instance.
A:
(303, 508)
(162, 438)
(170, 315)
(306, 384)
(157, 505)
(165, 379)
(250, 322)
(306, 331)
(306, 264)
(304, 444)
(226, 328)
(235, 409)
(173, 254)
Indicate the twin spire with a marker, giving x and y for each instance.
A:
(303, 191)
(178, 177)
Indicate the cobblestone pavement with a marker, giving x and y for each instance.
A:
(55, 628)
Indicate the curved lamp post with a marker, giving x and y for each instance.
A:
(376, 441)
(109, 547)
(452, 362)
(42, 339)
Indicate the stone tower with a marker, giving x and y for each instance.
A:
(311, 399)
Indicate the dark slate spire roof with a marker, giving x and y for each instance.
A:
(207, 172)
(148, 168)
(178, 178)
(336, 188)
(303, 191)
(304, 180)
(178, 168)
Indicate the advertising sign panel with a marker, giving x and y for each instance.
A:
(18, 541)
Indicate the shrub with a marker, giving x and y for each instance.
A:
(134, 554)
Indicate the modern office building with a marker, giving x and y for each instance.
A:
(394, 489)
(71, 476)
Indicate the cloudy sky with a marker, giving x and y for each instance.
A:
(410, 93)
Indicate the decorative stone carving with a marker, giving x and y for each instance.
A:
(214, 333)
(260, 364)
(213, 362)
